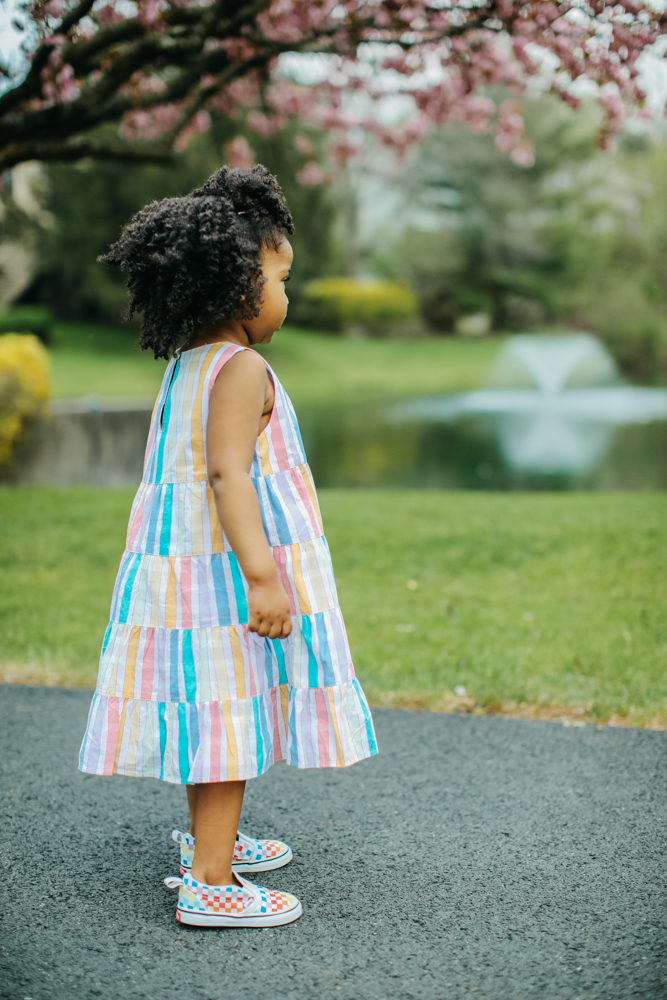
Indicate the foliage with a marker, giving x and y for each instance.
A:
(545, 604)
(90, 202)
(24, 386)
(575, 241)
(28, 319)
(336, 303)
(158, 67)
(317, 370)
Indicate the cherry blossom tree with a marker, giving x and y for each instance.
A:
(136, 79)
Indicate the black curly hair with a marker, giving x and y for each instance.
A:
(197, 259)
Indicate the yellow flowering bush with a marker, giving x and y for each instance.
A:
(340, 302)
(24, 386)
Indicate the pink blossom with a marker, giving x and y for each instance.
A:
(239, 154)
(311, 174)
(201, 122)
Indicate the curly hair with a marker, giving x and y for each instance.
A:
(197, 259)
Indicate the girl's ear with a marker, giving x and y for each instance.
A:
(243, 296)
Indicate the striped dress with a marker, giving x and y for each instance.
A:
(185, 691)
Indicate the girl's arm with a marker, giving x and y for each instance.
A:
(240, 406)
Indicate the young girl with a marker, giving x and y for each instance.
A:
(226, 650)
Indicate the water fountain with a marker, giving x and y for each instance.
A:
(554, 402)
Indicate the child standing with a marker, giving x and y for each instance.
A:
(226, 650)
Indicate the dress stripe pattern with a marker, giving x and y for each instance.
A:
(185, 691)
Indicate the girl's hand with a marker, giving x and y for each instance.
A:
(269, 610)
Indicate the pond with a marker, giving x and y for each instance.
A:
(554, 416)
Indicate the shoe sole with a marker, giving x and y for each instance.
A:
(220, 920)
(257, 866)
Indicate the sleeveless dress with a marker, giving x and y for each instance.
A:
(185, 692)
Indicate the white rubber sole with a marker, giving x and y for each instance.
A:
(257, 866)
(222, 920)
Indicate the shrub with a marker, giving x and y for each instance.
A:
(28, 319)
(336, 303)
(24, 386)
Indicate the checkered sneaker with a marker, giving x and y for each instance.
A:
(243, 905)
(249, 855)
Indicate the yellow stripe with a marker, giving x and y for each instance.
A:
(340, 760)
(110, 686)
(170, 602)
(264, 454)
(301, 592)
(232, 750)
(284, 702)
(197, 430)
(135, 726)
(131, 661)
(119, 740)
(305, 475)
(239, 666)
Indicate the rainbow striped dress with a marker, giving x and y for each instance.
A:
(185, 692)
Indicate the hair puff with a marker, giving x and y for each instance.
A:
(197, 259)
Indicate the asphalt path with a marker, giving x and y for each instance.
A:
(474, 857)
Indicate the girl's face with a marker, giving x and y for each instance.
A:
(276, 267)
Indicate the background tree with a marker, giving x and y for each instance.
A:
(575, 241)
(87, 203)
(156, 68)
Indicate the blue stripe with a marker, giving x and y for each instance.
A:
(166, 413)
(193, 725)
(183, 756)
(307, 633)
(372, 744)
(105, 643)
(163, 734)
(220, 588)
(165, 533)
(284, 535)
(280, 657)
(268, 664)
(267, 725)
(239, 592)
(174, 689)
(127, 589)
(188, 661)
(328, 672)
(149, 472)
(292, 730)
(152, 522)
(259, 742)
(295, 423)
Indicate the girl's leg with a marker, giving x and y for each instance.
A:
(190, 789)
(217, 810)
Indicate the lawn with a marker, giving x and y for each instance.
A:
(545, 605)
(317, 369)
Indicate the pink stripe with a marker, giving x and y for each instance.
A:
(276, 712)
(113, 723)
(185, 586)
(136, 522)
(275, 432)
(303, 493)
(148, 664)
(223, 357)
(280, 557)
(214, 749)
(248, 647)
(323, 728)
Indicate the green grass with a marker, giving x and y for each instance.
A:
(316, 369)
(540, 605)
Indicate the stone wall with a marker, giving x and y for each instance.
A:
(85, 442)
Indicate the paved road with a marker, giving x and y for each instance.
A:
(476, 857)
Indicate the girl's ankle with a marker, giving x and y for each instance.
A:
(212, 877)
